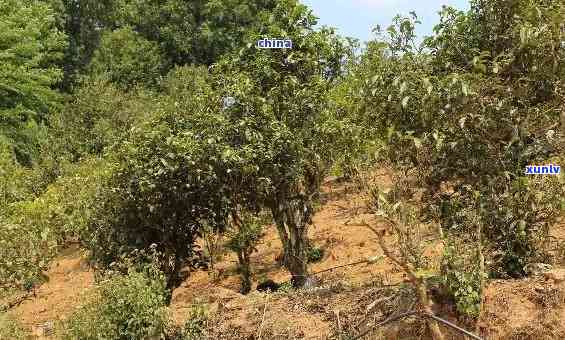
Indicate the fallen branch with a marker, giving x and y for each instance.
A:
(417, 282)
(416, 313)
(369, 261)
(449, 324)
(342, 266)
(338, 325)
(15, 302)
(370, 308)
(387, 321)
(263, 319)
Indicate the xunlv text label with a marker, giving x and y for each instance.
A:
(543, 169)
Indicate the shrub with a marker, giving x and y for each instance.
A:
(281, 129)
(68, 205)
(286, 287)
(315, 254)
(128, 306)
(195, 327)
(466, 129)
(14, 179)
(243, 237)
(465, 114)
(167, 180)
(24, 254)
(462, 278)
(518, 222)
(31, 231)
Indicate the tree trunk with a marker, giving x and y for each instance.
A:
(295, 256)
(426, 304)
(173, 271)
(292, 219)
(245, 271)
(563, 121)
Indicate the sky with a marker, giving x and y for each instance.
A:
(357, 18)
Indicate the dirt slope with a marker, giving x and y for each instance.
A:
(69, 278)
(351, 297)
(343, 245)
(532, 308)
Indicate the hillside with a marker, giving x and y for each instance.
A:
(232, 169)
(349, 300)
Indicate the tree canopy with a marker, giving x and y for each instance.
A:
(31, 46)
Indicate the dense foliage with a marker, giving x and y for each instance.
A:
(127, 59)
(178, 32)
(168, 178)
(128, 306)
(31, 46)
(32, 229)
(135, 126)
(466, 113)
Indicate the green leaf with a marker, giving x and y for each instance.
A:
(403, 87)
(465, 89)
(405, 101)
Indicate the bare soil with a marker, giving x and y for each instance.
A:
(350, 300)
(69, 279)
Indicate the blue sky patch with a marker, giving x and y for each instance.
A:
(357, 18)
